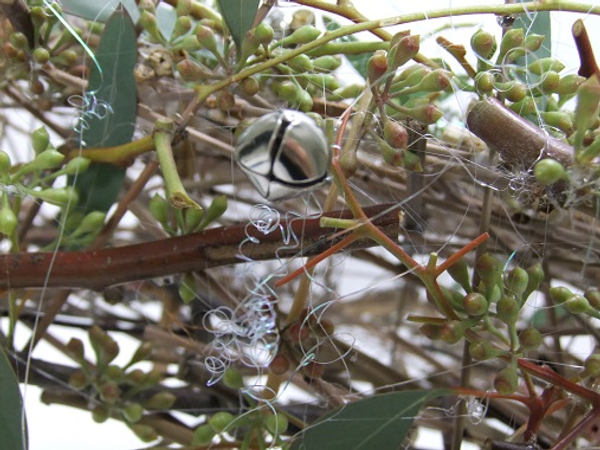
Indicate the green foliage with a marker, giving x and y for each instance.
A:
(114, 86)
(13, 430)
(381, 422)
(239, 16)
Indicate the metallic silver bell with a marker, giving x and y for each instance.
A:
(284, 154)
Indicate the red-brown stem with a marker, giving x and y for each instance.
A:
(555, 379)
(581, 426)
(97, 269)
(460, 253)
(317, 259)
(587, 65)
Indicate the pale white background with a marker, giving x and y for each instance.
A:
(55, 427)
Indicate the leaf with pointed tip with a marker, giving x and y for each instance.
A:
(12, 426)
(380, 422)
(112, 92)
(98, 11)
(239, 16)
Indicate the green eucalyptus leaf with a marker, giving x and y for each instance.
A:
(12, 426)
(239, 16)
(112, 91)
(98, 11)
(380, 422)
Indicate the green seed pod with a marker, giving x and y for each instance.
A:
(188, 43)
(376, 67)
(92, 223)
(5, 163)
(276, 424)
(232, 378)
(203, 435)
(577, 304)
(525, 107)
(286, 90)
(593, 297)
(48, 159)
(560, 294)
(136, 377)
(264, 33)
(507, 310)
(190, 71)
(535, 275)
(569, 84)
(482, 350)
(327, 63)
(412, 162)
(221, 421)
(100, 414)
(513, 91)
(183, 25)
(216, 209)
(435, 81)
(192, 218)
(392, 156)
(301, 63)
(159, 208)
(550, 82)
(249, 46)
(513, 38)
(110, 392)
(18, 40)
(184, 7)
(57, 196)
(484, 83)
(187, 288)
(483, 44)
(206, 37)
(395, 134)
(40, 55)
(459, 272)
(475, 304)
(150, 25)
(592, 366)
(530, 338)
(147, 5)
(427, 114)
(543, 65)
(160, 401)
(40, 139)
(250, 86)
(405, 50)
(533, 42)
(346, 92)
(324, 81)
(588, 98)
(516, 281)
(8, 219)
(305, 101)
(548, 171)
(133, 412)
(75, 349)
(558, 119)
(77, 165)
(78, 380)
(452, 331)
(146, 433)
(302, 35)
(507, 381)
(488, 268)
(142, 353)
(114, 373)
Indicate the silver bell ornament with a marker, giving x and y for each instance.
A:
(284, 154)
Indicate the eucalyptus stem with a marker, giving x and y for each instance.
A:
(178, 197)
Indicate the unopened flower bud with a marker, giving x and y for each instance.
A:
(206, 37)
(78, 380)
(516, 281)
(543, 65)
(513, 38)
(406, 49)
(483, 44)
(507, 381)
(300, 63)
(40, 139)
(183, 25)
(530, 338)
(569, 84)
(250, 86)
(395, 134)
(548, 171)
(5, 163)
(203, 435)
(327, 62)
(159, 208)
(264, 33)
(48, 159)
(133, 412)
(161, 401)
(220, 421)
(150, 24)
(507, 310)
(376, 66)
(475, 304)
(146, 433)
(302, 35)
(77, 165)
